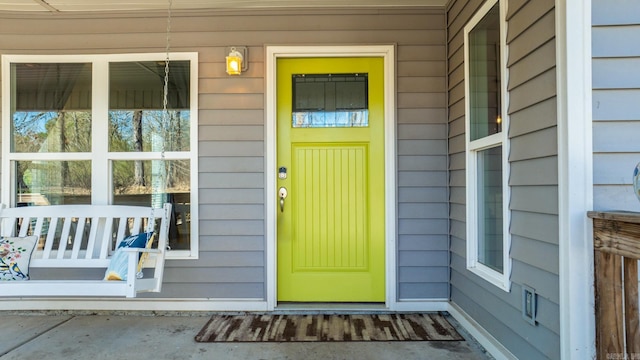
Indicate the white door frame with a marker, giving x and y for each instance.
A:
(273, 53)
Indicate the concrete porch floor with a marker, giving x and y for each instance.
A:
(135, 336)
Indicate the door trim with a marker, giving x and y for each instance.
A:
(273, 53)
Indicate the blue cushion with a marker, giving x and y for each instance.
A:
(136, 241)
(117, 269)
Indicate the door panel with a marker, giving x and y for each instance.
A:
(331, 227)
(329, 208)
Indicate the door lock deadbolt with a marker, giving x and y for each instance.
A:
(282, 193)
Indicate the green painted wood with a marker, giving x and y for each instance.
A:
(331, 228)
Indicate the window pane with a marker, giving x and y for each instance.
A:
(153, 183)
(136, 96)
(330, 100)
(490, 239)
(53, 182)
(51, 107)
(484, 76)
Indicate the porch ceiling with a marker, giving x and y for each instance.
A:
(142, 5)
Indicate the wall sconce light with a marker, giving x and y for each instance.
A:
(236, 60)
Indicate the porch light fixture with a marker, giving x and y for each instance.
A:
(236, 63)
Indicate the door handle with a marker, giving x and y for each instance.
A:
(283, 195)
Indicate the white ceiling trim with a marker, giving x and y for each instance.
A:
(142, 5)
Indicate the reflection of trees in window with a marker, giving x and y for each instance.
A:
(64, 171)
(177, 170)
(49, 131)
(51, 115)
(52, 132)
(146, 153)
(148, 131)
(41, 182)
(138, 179)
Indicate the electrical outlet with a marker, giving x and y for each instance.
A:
(529, 304)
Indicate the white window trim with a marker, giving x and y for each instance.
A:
(99, 151)
(501, 280)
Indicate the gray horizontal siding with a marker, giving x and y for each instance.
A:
(526, 343)
(211, 290)
(231, 259)
(151, 41)
(613, 168)
(523, 247)
(408, 273)
(276, 20)
(534, 145)
(231, 141)
(616, 73)
(614, 197)
(616, 92)
(533, 182)
(535, 225)
(535, 64)
(424, 243)
(231, 196)
(424, 290)
(420, 226)
(533, 91)
(624, 133)
(234, 164)
(538, 171)
(511, 302)
(222, 243)
(618, 13)
(539, 199)
(545, 113)
(613, 104)
(422, 164)
(231, 117)
(534, 173)
(616, 40)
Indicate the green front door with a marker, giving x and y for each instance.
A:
(330, 155)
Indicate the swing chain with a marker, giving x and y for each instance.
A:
(166, 66)
(165, 89)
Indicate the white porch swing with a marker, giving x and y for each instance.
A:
(81, 237)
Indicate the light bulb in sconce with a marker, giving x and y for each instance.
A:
(236, 62)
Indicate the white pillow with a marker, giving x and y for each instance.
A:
(15, 255)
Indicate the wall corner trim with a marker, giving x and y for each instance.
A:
(575, 178)
(491, 344)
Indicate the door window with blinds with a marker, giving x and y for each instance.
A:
(99, 130)
(330, 100)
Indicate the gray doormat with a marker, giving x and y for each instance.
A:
(320, 327)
